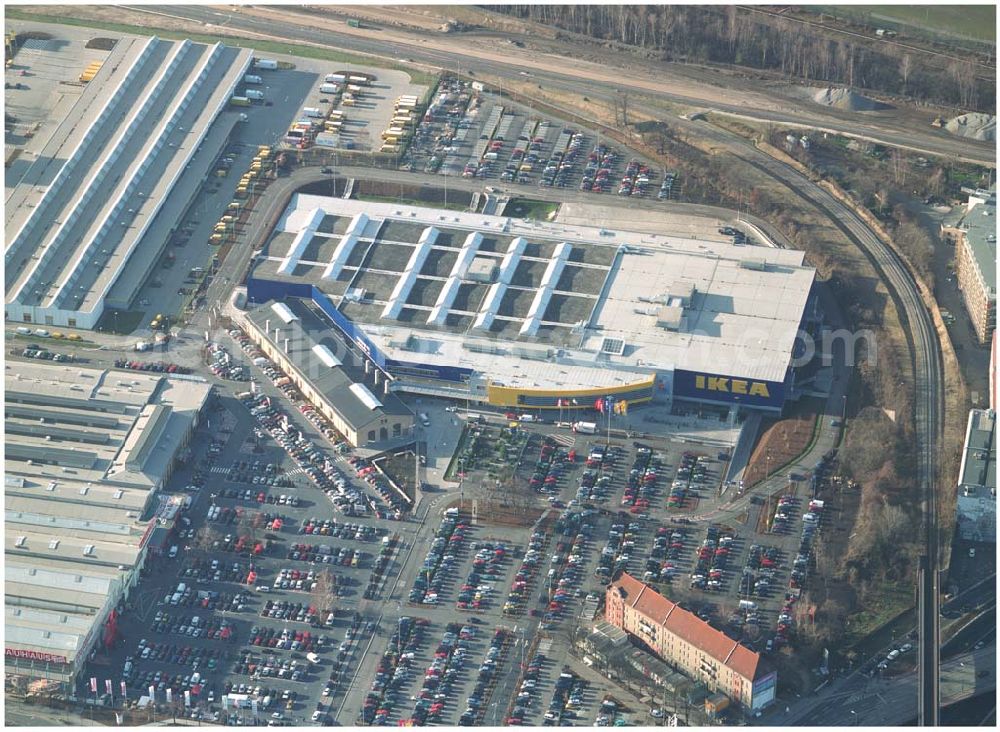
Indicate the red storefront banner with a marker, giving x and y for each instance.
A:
(33, 655)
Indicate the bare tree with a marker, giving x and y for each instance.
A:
(323, 592)
(205, 537)
(905, 69)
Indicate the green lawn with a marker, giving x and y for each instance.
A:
(261, 46)
(453, 206)
(529, 208)
(977, 22)
(887, 612)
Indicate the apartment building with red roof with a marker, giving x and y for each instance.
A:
(694, 647)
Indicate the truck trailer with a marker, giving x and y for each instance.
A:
(329, 89)
(266, 63)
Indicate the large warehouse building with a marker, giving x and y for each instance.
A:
(530, 315)
(95, 209)
(87, 451)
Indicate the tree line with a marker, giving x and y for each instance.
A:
(729, 35)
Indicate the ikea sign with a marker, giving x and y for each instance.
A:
(728, 389)
(732, 386)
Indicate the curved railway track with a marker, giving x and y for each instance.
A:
(926, 361)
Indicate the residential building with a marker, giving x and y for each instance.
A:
(975, 240)
(977, 479)
(690, 644)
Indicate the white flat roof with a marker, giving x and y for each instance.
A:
(740, 306)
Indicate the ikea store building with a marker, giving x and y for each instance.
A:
(530, 316)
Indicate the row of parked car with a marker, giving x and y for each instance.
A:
(713, 559)
(325, 554)
(691, 471)
(566, 700)
(640, 486)
(664, 555)
(445, 668)
(33, 350)
(597, 173)
(441, 557)
(617, 553)
(156, 366)
(636, 180)
(476, 703)
(180, 655)
(760, 572)
(522, 583)
(269, 665)
(165, 624)
(290, 611)
(562, 161)
(393, 670)
(564, 575)
(222, 364)
(527, 690)
(487, 566)
(286, 639)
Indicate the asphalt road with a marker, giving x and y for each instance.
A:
(575, 76)
(865, 701)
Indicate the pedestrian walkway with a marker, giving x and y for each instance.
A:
(219, 470)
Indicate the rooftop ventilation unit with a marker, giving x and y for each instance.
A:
(758, 265)
(613, 346)
(478, 347)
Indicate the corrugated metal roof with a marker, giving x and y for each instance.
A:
(363, 393)
(282, 311)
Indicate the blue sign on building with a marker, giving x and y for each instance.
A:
(728, 389)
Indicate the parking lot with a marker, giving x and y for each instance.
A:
(476, 134)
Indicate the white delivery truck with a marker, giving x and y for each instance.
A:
(585, 428)
(252, 79)
(329, 89)
(254, 94)
(312, 112)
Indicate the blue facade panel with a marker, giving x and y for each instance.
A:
(457, 374)
(262, 291)
(349, 329)
(728, 389)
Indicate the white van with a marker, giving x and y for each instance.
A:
(23, 331)
(424, 419)
(173, 552)
(41, 333)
